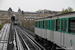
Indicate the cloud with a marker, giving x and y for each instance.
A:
(33, 5)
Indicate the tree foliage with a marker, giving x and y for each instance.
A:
(69, 9)
(1, 26)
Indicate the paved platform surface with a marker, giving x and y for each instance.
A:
(4, 35)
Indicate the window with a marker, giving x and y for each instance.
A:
(58, 25)
(53, 24)
(72, 25)
(39, 24)
(46, 24)
(36, 24)
(8, 12)
(64, 25)
(43, 24)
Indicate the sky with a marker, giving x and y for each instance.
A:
(34, 5)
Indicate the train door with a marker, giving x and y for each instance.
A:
(63, 30)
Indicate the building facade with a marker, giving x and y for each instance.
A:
(21, 16)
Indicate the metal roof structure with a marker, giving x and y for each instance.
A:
(56, 15)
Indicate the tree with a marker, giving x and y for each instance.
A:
(1, 26)
(63, 11)
(69, 9)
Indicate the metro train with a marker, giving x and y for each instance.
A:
(56, 32)
(16, 23)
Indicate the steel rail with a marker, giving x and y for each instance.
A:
(19, 45)
(34, 46)
(37, 44)
(31, 46)
(25, 43)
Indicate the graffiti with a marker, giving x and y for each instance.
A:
(71, 42)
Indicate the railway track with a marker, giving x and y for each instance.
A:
(27, 42)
